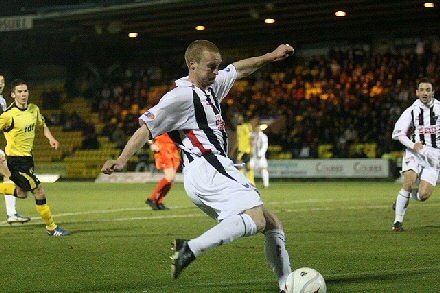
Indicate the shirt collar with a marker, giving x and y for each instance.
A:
(185, 82)
(420, 104)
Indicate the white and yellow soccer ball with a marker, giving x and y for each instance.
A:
(305, 280)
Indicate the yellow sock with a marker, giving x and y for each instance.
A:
(250, 175)
(7, 188)
(46, 215)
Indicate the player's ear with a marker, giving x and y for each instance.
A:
(192, 65)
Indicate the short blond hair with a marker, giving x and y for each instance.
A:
(194, 51)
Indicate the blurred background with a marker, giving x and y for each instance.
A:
(94, 66)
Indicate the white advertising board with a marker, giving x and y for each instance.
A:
(332, 168)
(16, 23)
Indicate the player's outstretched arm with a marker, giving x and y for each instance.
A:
(52, 141)
(136, 141)
(248, 66)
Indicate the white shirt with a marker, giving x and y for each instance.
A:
(419, 124)
(192, 116)
(259, 145)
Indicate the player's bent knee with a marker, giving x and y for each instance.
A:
(424, 196)
(257, 216)
(272, 221)
(251, 228)
(39, 193)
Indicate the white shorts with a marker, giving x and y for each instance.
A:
(258, 163)
(416, 162)
(218, 188)
(2, 153)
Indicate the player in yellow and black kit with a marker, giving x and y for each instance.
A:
(244, 131)
(18, 122)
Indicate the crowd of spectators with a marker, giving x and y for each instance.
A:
(342, 98)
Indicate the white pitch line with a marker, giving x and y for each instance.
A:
(37, 220)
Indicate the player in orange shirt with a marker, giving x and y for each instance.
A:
(167, 159)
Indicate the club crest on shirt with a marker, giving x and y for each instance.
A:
(150, 115)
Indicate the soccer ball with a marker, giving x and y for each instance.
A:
(305, 280)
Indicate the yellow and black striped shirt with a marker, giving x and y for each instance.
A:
(19, 126)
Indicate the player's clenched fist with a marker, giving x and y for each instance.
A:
(111, 166)
(282, 52)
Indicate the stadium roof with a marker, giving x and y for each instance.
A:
(227, 19)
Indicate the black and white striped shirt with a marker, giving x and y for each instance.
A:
(192, 116)
(420, 123)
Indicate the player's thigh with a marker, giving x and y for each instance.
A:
(22, 173)
(170, 174)
(409, 178)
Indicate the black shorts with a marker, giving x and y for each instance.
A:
(22, 172)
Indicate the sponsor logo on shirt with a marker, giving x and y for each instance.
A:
(428, 130)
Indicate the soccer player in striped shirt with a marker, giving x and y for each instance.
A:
(191, 115)
(418, 130)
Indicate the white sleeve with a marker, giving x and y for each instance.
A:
(173, 112)
(406, 141)
(224, 82)
(401, 128)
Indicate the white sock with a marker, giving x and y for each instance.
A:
(277, 255)
(265, 175)
(10, 202)
(401, 204)
(226, 231)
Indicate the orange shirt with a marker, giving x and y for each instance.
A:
(163, 138)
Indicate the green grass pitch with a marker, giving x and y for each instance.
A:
(342, 229)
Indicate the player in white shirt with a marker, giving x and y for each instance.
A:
(8, 186)
(418, 130)
(191, 115)
(260, 143)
